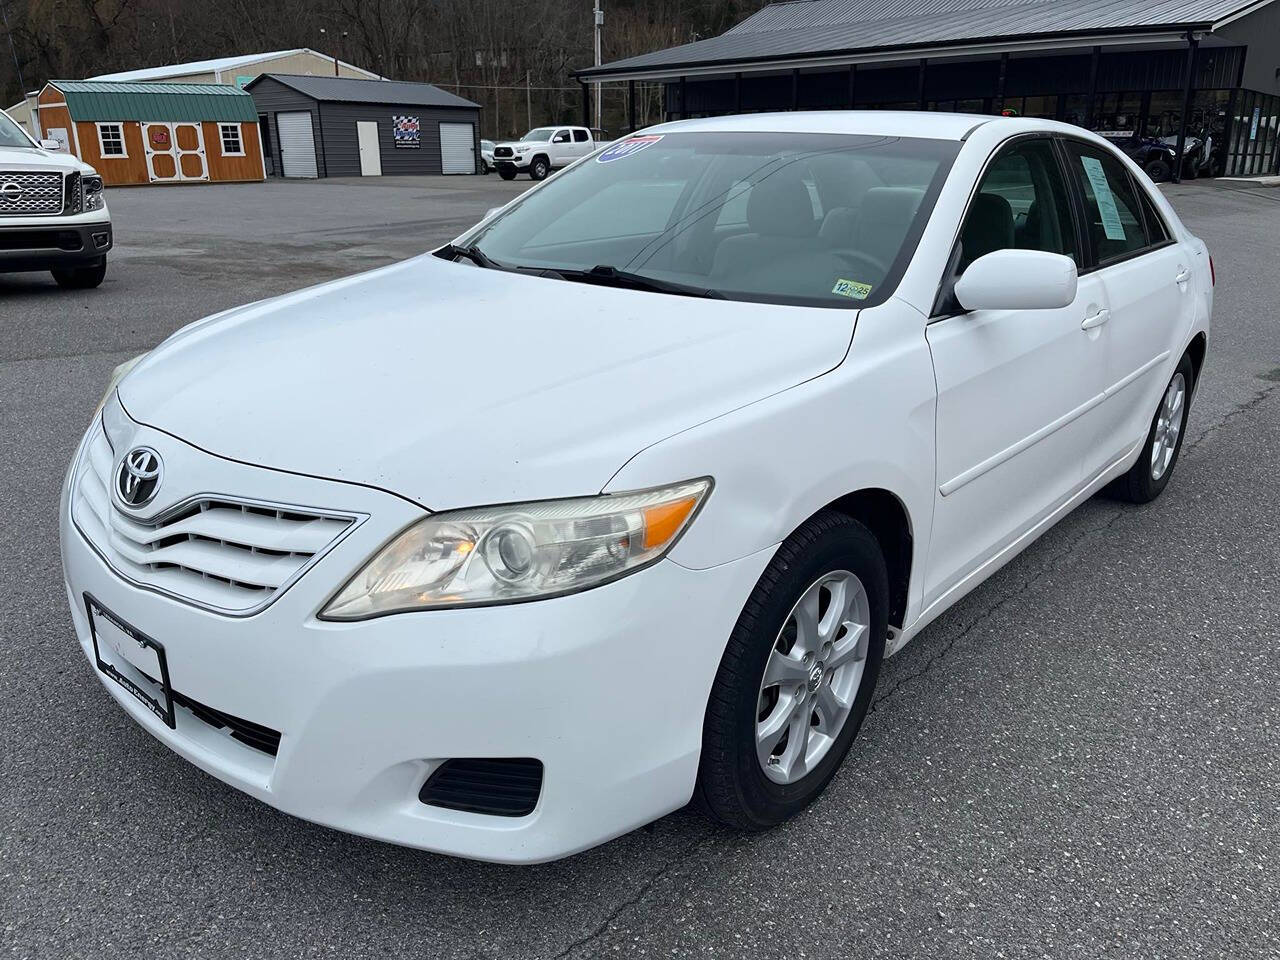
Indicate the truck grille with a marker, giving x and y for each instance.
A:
(30, 194)
(503, 153)
(226, 555)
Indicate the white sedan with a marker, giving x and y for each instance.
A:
(620, 500)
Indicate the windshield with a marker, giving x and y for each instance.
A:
(11, 134)
(813, 219)
(541, 133)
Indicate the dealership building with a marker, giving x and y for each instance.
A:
(1126, 68)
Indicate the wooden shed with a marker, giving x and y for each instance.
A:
(139, 133)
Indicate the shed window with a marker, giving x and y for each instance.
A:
(232, 146)
(111, 139)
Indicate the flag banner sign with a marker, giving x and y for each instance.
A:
(408, 132)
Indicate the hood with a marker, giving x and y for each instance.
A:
(456, 386)
(23, 158)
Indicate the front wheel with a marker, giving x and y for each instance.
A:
(539, 169)
(1148, 477)
(507, 172)
(1157, 170)
(81, 278)
(797, 675)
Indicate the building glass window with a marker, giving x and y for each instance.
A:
(111, 139)
(232, 145)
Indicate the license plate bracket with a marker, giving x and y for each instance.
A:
(161, 706)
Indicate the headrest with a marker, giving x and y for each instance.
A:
(988, 226)
(779, 206)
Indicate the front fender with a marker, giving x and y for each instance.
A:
(868, 423)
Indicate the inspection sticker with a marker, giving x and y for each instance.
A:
(1111, 224)
(852, 289)
(628, 148)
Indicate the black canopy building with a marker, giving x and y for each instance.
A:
(1146, 69)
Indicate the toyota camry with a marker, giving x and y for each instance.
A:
(619, 501)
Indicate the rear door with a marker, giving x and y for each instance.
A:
(1148, 277)
(1017, 389)
(370, 157)
(582, 144)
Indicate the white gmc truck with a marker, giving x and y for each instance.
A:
(53, 215)
(542, 150)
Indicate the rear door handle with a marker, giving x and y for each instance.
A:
(1183, 276)
(1096, 319)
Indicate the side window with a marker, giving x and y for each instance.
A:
(562, 136)
(1113, 219)
(580, 136)
(1157, 230)
(1021, 204)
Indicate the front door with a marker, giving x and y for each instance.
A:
(370, 157)
(1151, 299)
(1017, 389)
(174, 152)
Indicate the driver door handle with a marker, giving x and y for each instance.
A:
(1183, 276)
(1096, 319)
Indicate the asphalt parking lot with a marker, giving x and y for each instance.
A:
(1080, 760)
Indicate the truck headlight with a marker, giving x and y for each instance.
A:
(523, 551)
(93, 193)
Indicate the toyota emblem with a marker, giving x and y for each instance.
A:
(11, 192)
(138, 477)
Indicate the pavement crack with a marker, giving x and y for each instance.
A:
(1239, 410)
(638, 896)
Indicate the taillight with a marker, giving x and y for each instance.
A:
(1213, 277)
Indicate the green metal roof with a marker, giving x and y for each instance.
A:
(103, 100)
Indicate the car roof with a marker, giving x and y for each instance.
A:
(926, 124)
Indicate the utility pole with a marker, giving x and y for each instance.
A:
(528, 101)
(599, 23)
(32, 120)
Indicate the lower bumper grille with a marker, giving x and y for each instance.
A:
(499, 788)
(68, 240)
(246, 731)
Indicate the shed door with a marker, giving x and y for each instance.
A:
(370, 159)
(297, 145)
(174, 152)
(457, 148)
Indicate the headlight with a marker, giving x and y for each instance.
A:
(93, 196)
(524, 551)
(118, 374)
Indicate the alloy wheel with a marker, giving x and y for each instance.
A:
(812, 676)
(1168, 426)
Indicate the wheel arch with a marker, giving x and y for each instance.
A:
(1196, 350)
(886, 516)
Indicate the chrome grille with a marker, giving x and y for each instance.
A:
(30, 194)
(223, 554)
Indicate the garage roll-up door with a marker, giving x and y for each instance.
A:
(457, 148)
(297, 146)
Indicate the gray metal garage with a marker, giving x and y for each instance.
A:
(343, 127)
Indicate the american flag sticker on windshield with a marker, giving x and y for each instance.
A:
(851, 288)
(628, 148)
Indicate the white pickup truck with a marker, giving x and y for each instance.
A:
(53, 215)
(542, 150)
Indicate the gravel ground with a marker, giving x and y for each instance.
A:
(1081, 759)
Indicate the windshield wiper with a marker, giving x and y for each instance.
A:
(606, 275)
(452, 251)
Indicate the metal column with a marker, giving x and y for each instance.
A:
(1193, 44)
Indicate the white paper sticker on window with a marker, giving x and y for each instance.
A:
(1111, 224)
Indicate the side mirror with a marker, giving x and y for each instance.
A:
(47, 144)
(1018, 280)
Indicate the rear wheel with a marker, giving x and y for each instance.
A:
(81, 278)
(797, 675)
(1148, 477)
(539, 169)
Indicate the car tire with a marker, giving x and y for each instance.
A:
(539, 169)
(81, 278)
(507, 173)
(737, 785)
(1158, 170)
(1148, 477)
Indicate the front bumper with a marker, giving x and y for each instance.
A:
(513, 163)
(52, 242)
(607, 687)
